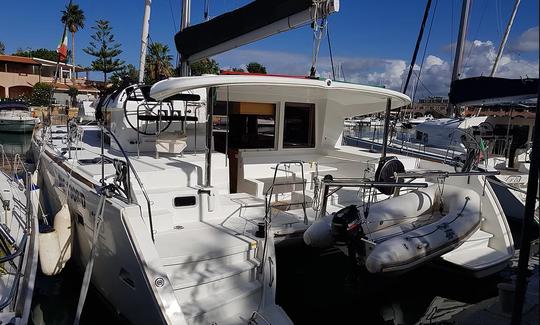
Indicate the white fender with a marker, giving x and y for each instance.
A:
(49, 252)
(35, 193)
(62, 225)
(319, 234)
(34, 178)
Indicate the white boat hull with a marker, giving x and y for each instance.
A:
(18, 126)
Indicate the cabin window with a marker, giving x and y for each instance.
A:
(184, 201)
(250, 125)
(299, 125)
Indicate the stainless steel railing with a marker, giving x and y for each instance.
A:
(19, 247)
(131, 169)
(338, 183)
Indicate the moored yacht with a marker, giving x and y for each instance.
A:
(189, 183)
(412, 122)
(16, 117)
(19, 249)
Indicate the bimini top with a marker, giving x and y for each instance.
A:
(366, 98)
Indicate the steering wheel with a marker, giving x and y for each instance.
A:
(150, 112)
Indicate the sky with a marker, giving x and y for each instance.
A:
(372, 41)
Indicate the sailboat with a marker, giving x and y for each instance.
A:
(19, 242)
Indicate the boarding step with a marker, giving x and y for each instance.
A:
(199, 241)
(476, 258)
(479, 239)
(209, 286)
(193, 274)
(231, 306)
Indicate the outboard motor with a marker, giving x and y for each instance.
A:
(347, 231)
(346, 225)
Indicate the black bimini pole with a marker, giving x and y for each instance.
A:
(528, 227)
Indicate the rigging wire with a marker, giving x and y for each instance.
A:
(206, 9)
(425, 51)
(419, 81)
(175, 28)
(318, 25)
(330, 50)
(498, 15)
(467, 58)
(452, 33)
(343, 72)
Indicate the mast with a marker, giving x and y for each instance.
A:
(460, 47)
(505, 38)
(184, 23)
(144, 39)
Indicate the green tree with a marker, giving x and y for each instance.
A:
(42, 53)
(204, 66)
(73, 18)
(238, 70)
(40, 94)
(128, 74)
(158, 62)
(2, 48)
(255, 67)
(105, 49)
(73, 92)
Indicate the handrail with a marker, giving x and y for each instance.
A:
(328, 181)
(17, 161)
(19, 251)
(5, 157)
(21, 246)
(444, 174)
(13, 290)
(132, 169)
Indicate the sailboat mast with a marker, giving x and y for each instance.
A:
(144, 39)
(184, 23)
(505, 38)
(460, 46)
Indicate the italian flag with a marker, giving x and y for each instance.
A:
(63, 47)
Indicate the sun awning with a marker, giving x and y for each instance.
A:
(492, 90)
(352, 97)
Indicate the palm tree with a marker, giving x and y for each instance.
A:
(159, 61)
(73, 18)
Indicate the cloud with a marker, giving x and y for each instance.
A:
(274, 61)
(479, 57)
(527, 41)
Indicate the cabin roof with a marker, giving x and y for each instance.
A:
(346, 94)
(18, 59)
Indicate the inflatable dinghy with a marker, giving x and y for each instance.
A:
(401, 232)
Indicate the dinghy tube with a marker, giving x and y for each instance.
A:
(407, 230)
(432, 240)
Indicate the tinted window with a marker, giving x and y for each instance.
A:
(299, 125)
